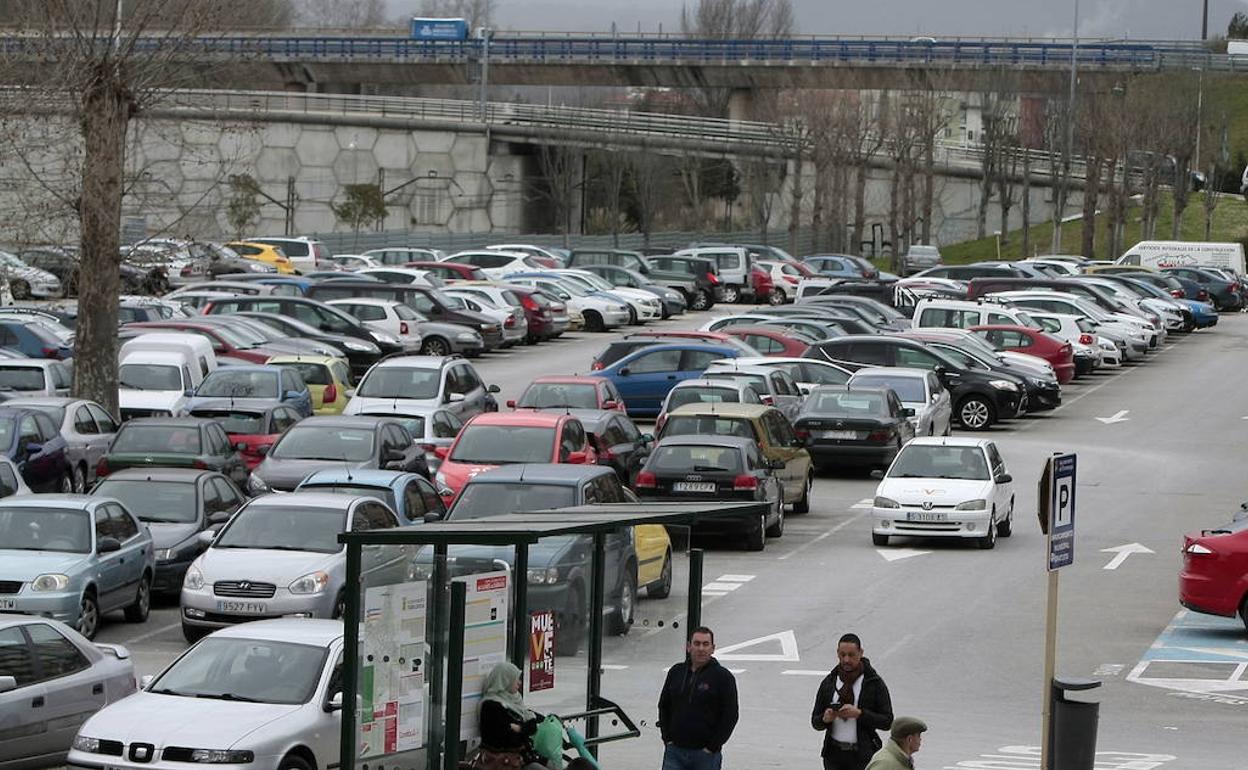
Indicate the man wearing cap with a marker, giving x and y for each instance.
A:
(851, 705)
(904, 741)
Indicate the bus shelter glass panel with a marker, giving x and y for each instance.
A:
(559, 582)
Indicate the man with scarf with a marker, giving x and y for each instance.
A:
(507, 725)
(851, 705)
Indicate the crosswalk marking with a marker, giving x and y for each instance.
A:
(717, 586)
(735, 578)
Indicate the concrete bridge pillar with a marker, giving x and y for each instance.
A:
(741, 104)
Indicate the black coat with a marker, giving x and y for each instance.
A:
(496, 732)
(873, 699)
(698, 709)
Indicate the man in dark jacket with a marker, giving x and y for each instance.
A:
(697, 708)
(851, 705)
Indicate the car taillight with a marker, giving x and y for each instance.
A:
(50, 352)
(877, 435)
(745, 481)
(1177, 293)
(510, 323)
(330, 395)
(527, 303)
(1086, 339)
(200, 465)
(597, 366)
(768, 400)
(802, 434)
(427, 447)
(1203, 296)
(403, 328)
(646, 480)
(714, 279)
(101, 468)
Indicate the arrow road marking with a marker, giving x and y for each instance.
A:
(786, 639)
(897, 554)
(1122, 552)
(1121, 416)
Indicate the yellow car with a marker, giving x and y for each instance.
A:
(329, 380)
(654, 559)
(263, 252)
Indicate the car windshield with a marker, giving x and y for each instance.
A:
(709, 425)
(153, 501)
(401, 382)
(150, 377)
(234, 421)
(312, 374)
(489, 499)
(153, 439)
(239, 384)
(45, 529)
(57, 413)
(501, 444)
(250, 670)
(415, 424)
(681, 459)
(756, 381)
(384, 494)
(308, 442)
(931, 461)
(702, 394)
(553, 394)
(906, 388)
(21, 378)
(847, 404)
(283, 528)
(405, 313)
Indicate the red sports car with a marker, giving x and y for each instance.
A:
(1214, 579)
(564, 392)
(1022, 339)
(785, 343)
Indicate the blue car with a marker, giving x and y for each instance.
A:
(409, 494)
(644, 377)
(274, 383)
(74, 558)
(34, 443)
(1203, 314)
(33, 341)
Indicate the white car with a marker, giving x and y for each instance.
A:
(400, 255)
(34, 377)
(512, 320)
(1077, 331)
(423, 381)
(785, 278)
(257, 695)
(918, 389)
(809, 373)
(596, 313)
(496, 264)
(25, 281)
(386, 316)
(403, 275)
(529, 249)
(945, 487)
(354, 261)
(736, 319)
(1136, 332)
(774, 387)
(645, 305)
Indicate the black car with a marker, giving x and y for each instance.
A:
(176, 504)
(726, 468)
(863, 426)
(968, 272)
(427, 301)
(1043, 392)
(695, 280)
(317, 443)
(360, 353)
(980, 397)
(620, 445)
(707, 286)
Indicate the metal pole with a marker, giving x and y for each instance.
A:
(485, 69)
(1070, 136)
(437, 651)
(351, 659)
(520, 599)
(1050, 665)
(1200, 101)
(1204, 22)
(455, 675)
(593, 664)
(693, 616)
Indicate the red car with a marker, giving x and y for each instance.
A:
(451, 271)
(768, 341)
(252, 429)
(1033, 342)
(561, 392)
(1214, 579)
(764, 287)
(492, 439)
(224, 341)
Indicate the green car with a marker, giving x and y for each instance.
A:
(173, 442)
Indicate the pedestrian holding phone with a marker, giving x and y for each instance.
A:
(852, 704)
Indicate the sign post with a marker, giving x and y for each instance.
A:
(1057, 521)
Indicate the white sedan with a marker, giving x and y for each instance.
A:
(208, 706)
(945, 487)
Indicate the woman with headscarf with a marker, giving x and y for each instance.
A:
(506, 725)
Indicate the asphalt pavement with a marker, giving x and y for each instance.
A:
(958, 632)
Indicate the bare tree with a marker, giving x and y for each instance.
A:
(608, 173)
(562, 181)
(997, 101)
(1180, 148)
(344, 14)
(478, 13)
(733, 19)
(648, 177)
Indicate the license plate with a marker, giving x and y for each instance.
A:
(8, 604)
(925, 516)
(243, 608)
(693, 486)
(839, 435)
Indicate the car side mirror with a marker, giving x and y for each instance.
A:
(431, 517)
(8, 683)
(511, 403)
(804, 391)
(454, 398)
(219, 517)
(907, 412)
(145, 680)
(206, 537)
(349, 393)
(610, 404)
(776, 465)
(624, 372)
(578, 457)
(647, 438)
(334, 703)
(108, 545)
(494, 389)
(1004, 478)
(441, 452)
(189, 392)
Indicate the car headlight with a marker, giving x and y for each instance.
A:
(311, 583)
(222, 756)
(972, 505)
(1003, 385)
(389, 339)
(358, 347)
(52, 581)
(548, 576)
(885, 502)
(89, 745)
(194, 579)
(467, 337)
(257, 485)
(166, 554)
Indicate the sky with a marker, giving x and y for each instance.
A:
(1135, 19)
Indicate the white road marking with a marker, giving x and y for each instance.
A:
(1121, 552)
(869, 502)
(802, 672)
(613, 667)
(717, 586)
(825, 535)
(1120, 416)
(735, 578)
(897, 554)
(786, 639)
(714, 593)
(150, 634)
(1027, 757)
(1108, 669)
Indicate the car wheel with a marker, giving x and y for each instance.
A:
(1005, 527)
(19, 289)
(66, 485)
(593, 322)
(622, 618)
(88, 615)
(777, 529)
(292, 762)
(663, 588)
(632, 316)
(732, 295)
(193, 634)
(976, 413)
(756, 538)
(568, 632)
(879, 540)
(1243, 612)
(435, 346)
(701, 301)
(803, 504)
(777, 297)
(80, 480)
(137, 612)
(989, 541)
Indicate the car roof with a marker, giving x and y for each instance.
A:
(749, 411)
(555, 474)
(891, 371)
(158, 474)
(567, 379)
(702, 439)
(366, 476)
(82, 502)
(708, 382)
(961, 441)
(338, 421)
(317, 631)
(34, 401)
(42, 363)
(369, 300)
(307, 500)
(523, 418)
(175, 422)
(416, 362)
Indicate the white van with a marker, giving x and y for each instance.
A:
(1159, 254)
(158, 371)
(959, 314)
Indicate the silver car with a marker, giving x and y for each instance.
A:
(280, 555)
(52, 679)
(88, 430)
(264, 695)
(775, 387)
(918, 389)
(920, 257)
(35, 377)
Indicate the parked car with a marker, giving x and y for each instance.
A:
(74, 559)
(617, 349)
(450, 271)
(705, 390)
(945, 487)
(32, 441)
(427, 301)
(253, 426)
(46, 661)
(617, 441)
(729, 468)
(807, 372)
(425, 381)
(256, 384)
(26, 282)
(432, 427)
(304, 254)
(967, 349)
(173, 442)
(844, 425)
(674, 303)
(644, 377)
(33, 340)
(1224, 293)
(774, 386)
(569, 392)
(919, 390)
(328, 380)
(919, 257)
(175, 504)
(284, 673)
(512, 320)
(1033, 342)
(1214, 578)
(409, 495)
(791, 343)
(379, 443)
(399, 320)
(86, 427)
(264, 253)
(34, 377)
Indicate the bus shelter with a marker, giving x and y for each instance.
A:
(438, 604)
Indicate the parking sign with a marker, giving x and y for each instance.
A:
(1062, 512)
